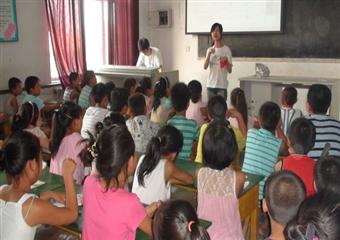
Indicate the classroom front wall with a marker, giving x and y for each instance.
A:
(180, 51)
(29, 55)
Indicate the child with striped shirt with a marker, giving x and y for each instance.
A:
(89, 82)
(180, 97)
(262, 146)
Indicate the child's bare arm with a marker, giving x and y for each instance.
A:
(176, 175)
(146, 224)
(240, 179)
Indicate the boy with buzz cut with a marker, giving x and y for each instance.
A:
(13, 102)
(139, 125)
(327, 175)
(288, 113)
(319, 99)
(301, 138)
(262, 146)
(180, 97)
(283, 193)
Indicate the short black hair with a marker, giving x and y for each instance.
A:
(99, 92)
(30, 83)
(137, 104)
(146, 83)
(319, 97)
(12, 83)
(129, 83)
(119, 99)
(270, 115)
(327, 174)
(284, 191)
(301, 134)
(217, 108)
(89, 74)
(289, 95)
(195, 89)
(143, 44)
(180, 96)
(73, 76)
(219, 146)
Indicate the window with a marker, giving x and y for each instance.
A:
(96, 36)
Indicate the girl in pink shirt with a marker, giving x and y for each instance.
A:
(66, 140)
(111, 212)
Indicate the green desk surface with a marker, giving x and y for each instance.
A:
(52, 181)
(190, 167)
(76, 227)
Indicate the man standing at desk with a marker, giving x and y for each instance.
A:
(149, 57)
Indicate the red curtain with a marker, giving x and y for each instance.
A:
(123, 32)
(65, 21)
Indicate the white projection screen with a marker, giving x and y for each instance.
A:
(236, 16)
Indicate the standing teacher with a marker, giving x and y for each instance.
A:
(219, 61)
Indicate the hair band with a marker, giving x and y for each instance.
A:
(190, 224)
(93, 151)
(68, 116)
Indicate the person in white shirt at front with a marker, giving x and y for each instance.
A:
(219, 61)
(149, 57)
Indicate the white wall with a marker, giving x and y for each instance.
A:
(30, 55)
(180, 51)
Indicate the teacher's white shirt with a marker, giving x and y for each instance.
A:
(218, 76)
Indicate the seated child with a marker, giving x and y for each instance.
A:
(90, 81)
(119, 101)
(194, 111)
(262, 147)
(66, 140)
(177, 219)
(180, 97)
(217, 111)
(139, 125)
(283, 193)
(301, 137)
(160, 111)
(327, 175)
(72, 91)
(95, 113)
(218, 185)
(318, 218)
(21, 212)
(32, 88)
(130, 84)
(28, 119)
(12, 104)
(327, 128)
(147, 90)
(288, 113)
(239, 104)
(156, 169)
(123, 213)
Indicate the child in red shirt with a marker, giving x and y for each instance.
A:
(301, 139)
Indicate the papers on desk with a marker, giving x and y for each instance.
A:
(37, 184)
(246, 183)
(60, 204)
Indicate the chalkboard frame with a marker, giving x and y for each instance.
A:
(236, 33)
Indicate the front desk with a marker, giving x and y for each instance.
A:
(117, 74)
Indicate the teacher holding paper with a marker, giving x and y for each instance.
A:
(219, 61)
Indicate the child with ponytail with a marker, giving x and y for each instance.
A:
(156, 169)
(110, 211)
(177, 219)
(160, 107)
(239, 107)
(66, 139)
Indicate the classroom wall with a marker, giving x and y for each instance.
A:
(180, 51)
(30, 55)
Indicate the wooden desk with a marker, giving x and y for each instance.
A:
(248, 199)
(52, 181)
